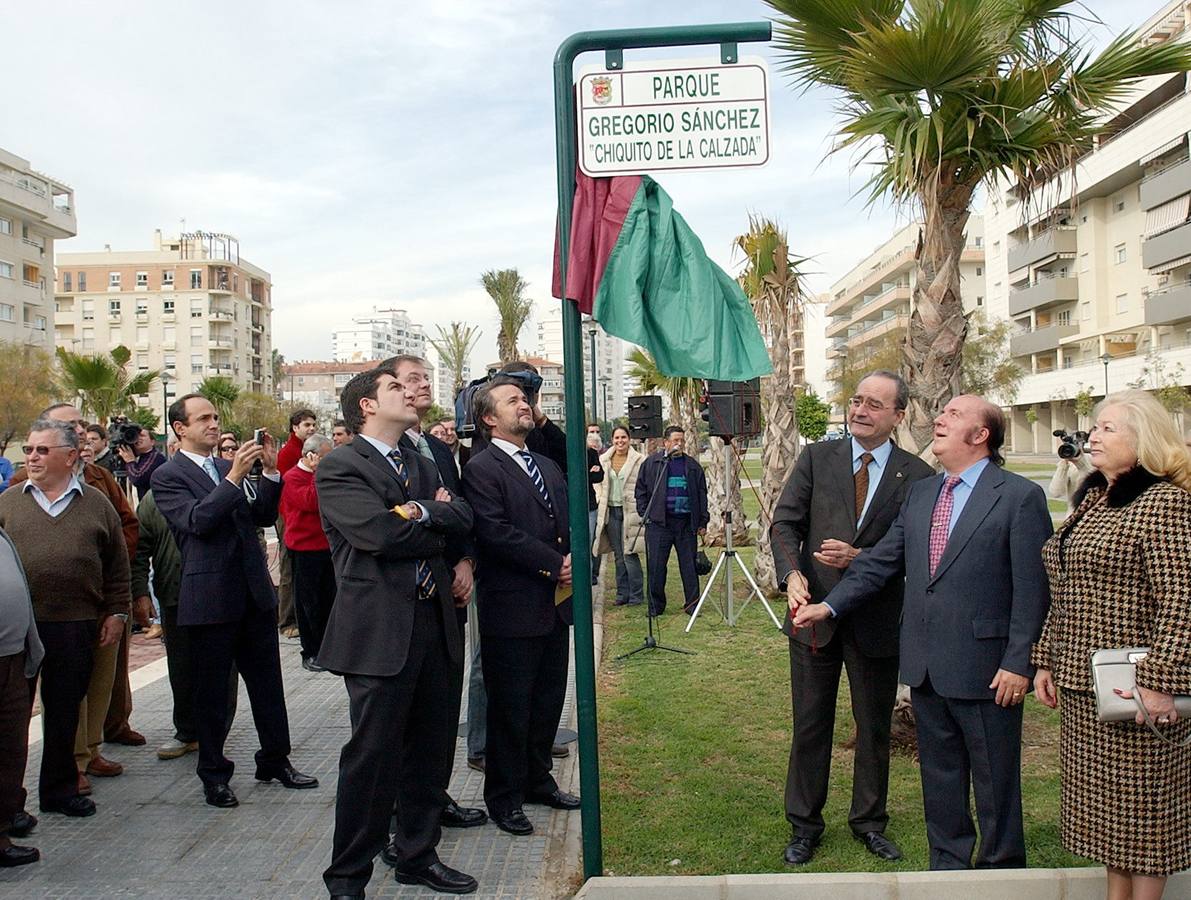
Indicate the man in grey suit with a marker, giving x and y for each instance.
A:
(969, 544)
(840, 500)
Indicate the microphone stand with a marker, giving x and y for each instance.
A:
(650, 642)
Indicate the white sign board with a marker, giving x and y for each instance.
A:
(672, 115)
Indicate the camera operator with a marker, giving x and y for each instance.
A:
(101, 453)
(140, 457)
(1072, 469)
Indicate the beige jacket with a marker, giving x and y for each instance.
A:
(634, 535)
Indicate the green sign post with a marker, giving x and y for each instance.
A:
(613, 44)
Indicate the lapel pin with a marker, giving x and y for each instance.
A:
(899, 474)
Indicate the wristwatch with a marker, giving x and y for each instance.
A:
(123, 617)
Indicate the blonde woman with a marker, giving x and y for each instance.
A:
(618, 527)
(1120, 576)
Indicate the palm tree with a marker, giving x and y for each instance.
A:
(454, 346)
(506, 287)
(942, 95)
(773, 284)
(684, 393)
(223, 393)
(101, 383)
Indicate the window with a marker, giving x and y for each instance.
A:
(82, 281)
(88, 338)
(39, 323)
(142, 309)
(5, 269)
(1083, 262)
(66, 282)
(1119, 253)
(142, 280)
(980, 301)
(1118, 206)
(996, 247)
(167, 305)
(142, 362)
(1122, 303)
(1085, 311)
(167, 335)
(171, 360)
(113, 306)
(115, 338)
(1083, 220)
(196, 279)
(5, 226)
(979, 271)
(114, 280)
(196, 363)
(88, 310)
(142, 335)
(196, 309)
(1068, 362)
(8, 312)
(1064, 317)
(167, 278)
(979, 241)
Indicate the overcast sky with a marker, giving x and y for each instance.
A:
(367, 155)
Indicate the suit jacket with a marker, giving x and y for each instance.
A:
(984, 607)
(651, 504)
(375, 553)
(819, 502)
(214, 525)
(521, 542)
(460, 546)
(549, 440)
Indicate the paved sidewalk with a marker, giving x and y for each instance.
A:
(153, 837)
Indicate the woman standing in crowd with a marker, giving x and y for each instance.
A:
(1120, 574)
(618, 527)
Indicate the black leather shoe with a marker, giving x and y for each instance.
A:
(556, 800)
(220, 795)
(311, 665)
(22, 825)
(456, 816)
(347, 897)
(288, 776)
(560, 751)
(12, 856)
(514, 821)
(76, 806)
(389, 856)
(880, 846)
(800, 851)
(441, 878)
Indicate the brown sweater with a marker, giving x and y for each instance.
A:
(77, 563)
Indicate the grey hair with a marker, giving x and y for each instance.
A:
(903, 389)
(315, 443)
(66, 432)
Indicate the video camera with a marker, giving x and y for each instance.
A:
(531, 385)
(122, 433)
(1072, 444)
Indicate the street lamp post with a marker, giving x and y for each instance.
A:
(604, 391)
(591, 330)
(165, 379)
(1106, 359)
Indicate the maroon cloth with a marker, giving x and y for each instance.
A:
(299, 509)
(289, 454)
(601, 205)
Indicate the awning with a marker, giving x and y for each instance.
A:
(1169, 266)
(1170, 214)
(1164, 149)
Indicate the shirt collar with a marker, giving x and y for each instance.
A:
(305, 468)
(73, 486)
(972, 473)
(507, 446)
(196, 458)
(383, 448)
(880, 454)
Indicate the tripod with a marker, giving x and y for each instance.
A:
(650, 642)
(729, 555)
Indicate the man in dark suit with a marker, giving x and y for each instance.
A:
(393, 635)
(226, 599)
(671, 497)
(523, 545)
(841, 499)
(969, 544)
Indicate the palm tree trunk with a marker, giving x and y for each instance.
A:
(934, 345)
(718, 503)
(779, 444)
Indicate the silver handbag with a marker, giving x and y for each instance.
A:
(1114, 669)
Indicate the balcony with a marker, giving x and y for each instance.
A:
(220, 343)
(1163, 248)
(1049, 243)
(1048, 291)
(1171, 182)
(1040, 340)
(1172, 304)
(219, 369)
(878, 329)
(222, 315)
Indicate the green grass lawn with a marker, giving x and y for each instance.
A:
(693, 754)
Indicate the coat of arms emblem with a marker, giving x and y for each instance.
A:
(601, 90)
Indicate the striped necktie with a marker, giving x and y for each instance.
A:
(940, 520)
(425, 576)
(535, 475)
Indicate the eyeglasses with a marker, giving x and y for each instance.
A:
(228, 448)
(874, 405)
(40, 449)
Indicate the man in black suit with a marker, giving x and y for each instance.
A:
(523, 545)
(969, 544)
(841, 499)
(671, 497)
(226, 599)
(393, 635)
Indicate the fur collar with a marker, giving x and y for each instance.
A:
(1124, 490)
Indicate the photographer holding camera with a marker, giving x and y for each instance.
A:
(135, 447)
(1073, 466)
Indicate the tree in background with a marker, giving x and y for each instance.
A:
(223, 393)
(884, 352)
(27, 374)
(251, 410)
(988, 369)
(684, 394)
(101, 384)
(506, 287)
(1164, 383)
(813, 415)
(454, 346)
(277, 363)
(942, 95)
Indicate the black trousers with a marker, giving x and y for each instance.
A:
(970, 746)
(179, 663)
(65, 674)
(251, 646)
(314, 594)
(402, 737)
(659, 538)
(814, 684)
(526, 680)
(14, 737)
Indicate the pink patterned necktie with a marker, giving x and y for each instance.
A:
(939, 521)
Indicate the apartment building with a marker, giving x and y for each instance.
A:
(379, 335)
(1096, 275)
(317, 384)
(870, 306)
(444, 383)
(610, 390)
(191, 306)
(35, 211)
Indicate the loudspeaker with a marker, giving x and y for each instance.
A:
(645, 416)
(733, 408)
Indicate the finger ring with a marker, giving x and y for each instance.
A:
(1164, 721)
(1017, 693)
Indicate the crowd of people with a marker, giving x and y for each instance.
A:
(402, 548)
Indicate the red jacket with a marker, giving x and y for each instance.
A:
(289, 454)
(299, 509)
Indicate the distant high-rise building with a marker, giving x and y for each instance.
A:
(611, 399)
(191, 306)
(444, 383)
(35, 211)
(379, 335)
